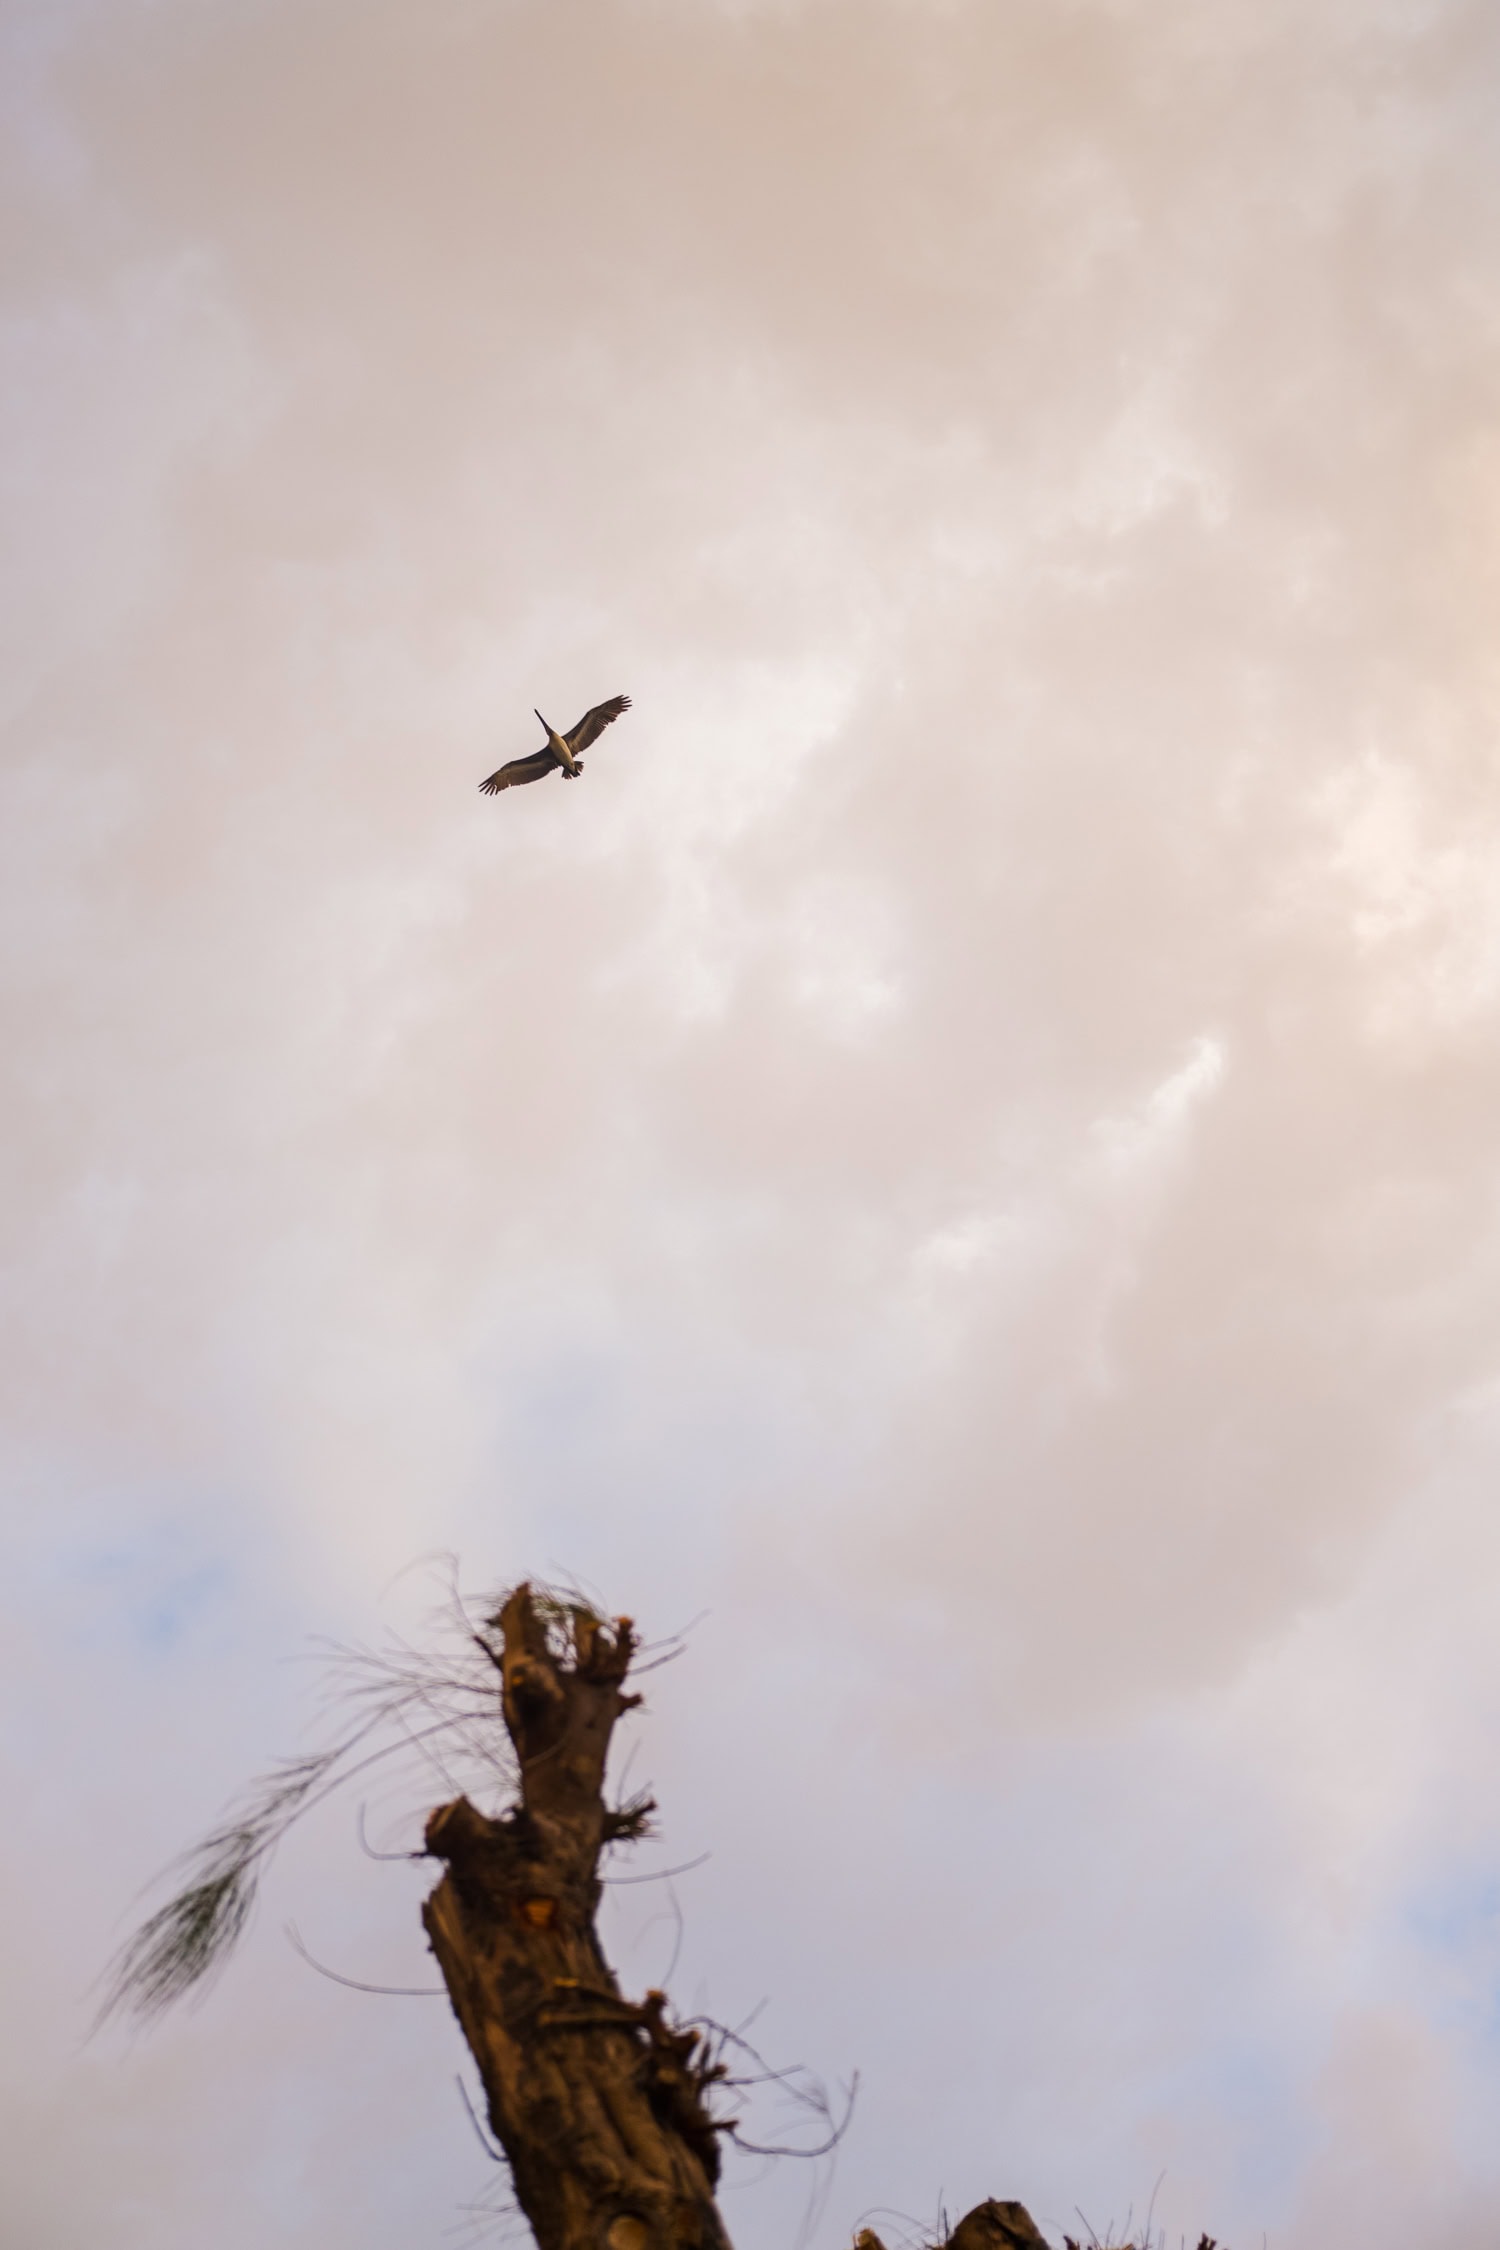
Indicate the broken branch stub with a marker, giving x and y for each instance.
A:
(599, 2104)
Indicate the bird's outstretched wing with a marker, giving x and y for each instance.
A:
(593, 723)
(545, 761)
(534, 768)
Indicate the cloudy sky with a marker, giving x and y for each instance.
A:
(968, 1150)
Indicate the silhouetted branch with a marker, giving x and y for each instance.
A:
(424, 1702)
(357, 1984)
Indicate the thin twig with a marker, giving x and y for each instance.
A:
(495, 2155)
(657, 1875)
(356, 1984)
(369, 1849)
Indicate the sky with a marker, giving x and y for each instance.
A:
(958, 1167)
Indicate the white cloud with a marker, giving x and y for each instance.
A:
(965, 1146)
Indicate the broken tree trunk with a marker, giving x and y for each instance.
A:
(599, 2104)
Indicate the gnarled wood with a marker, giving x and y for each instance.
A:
(599, 2104)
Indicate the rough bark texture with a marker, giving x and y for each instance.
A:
(599, 2104)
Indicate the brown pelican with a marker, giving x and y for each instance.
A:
(562, 750)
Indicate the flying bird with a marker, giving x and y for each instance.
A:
(561, 750)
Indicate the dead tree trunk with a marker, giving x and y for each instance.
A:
(599, 2104)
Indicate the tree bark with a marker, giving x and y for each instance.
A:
(599, 2104)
